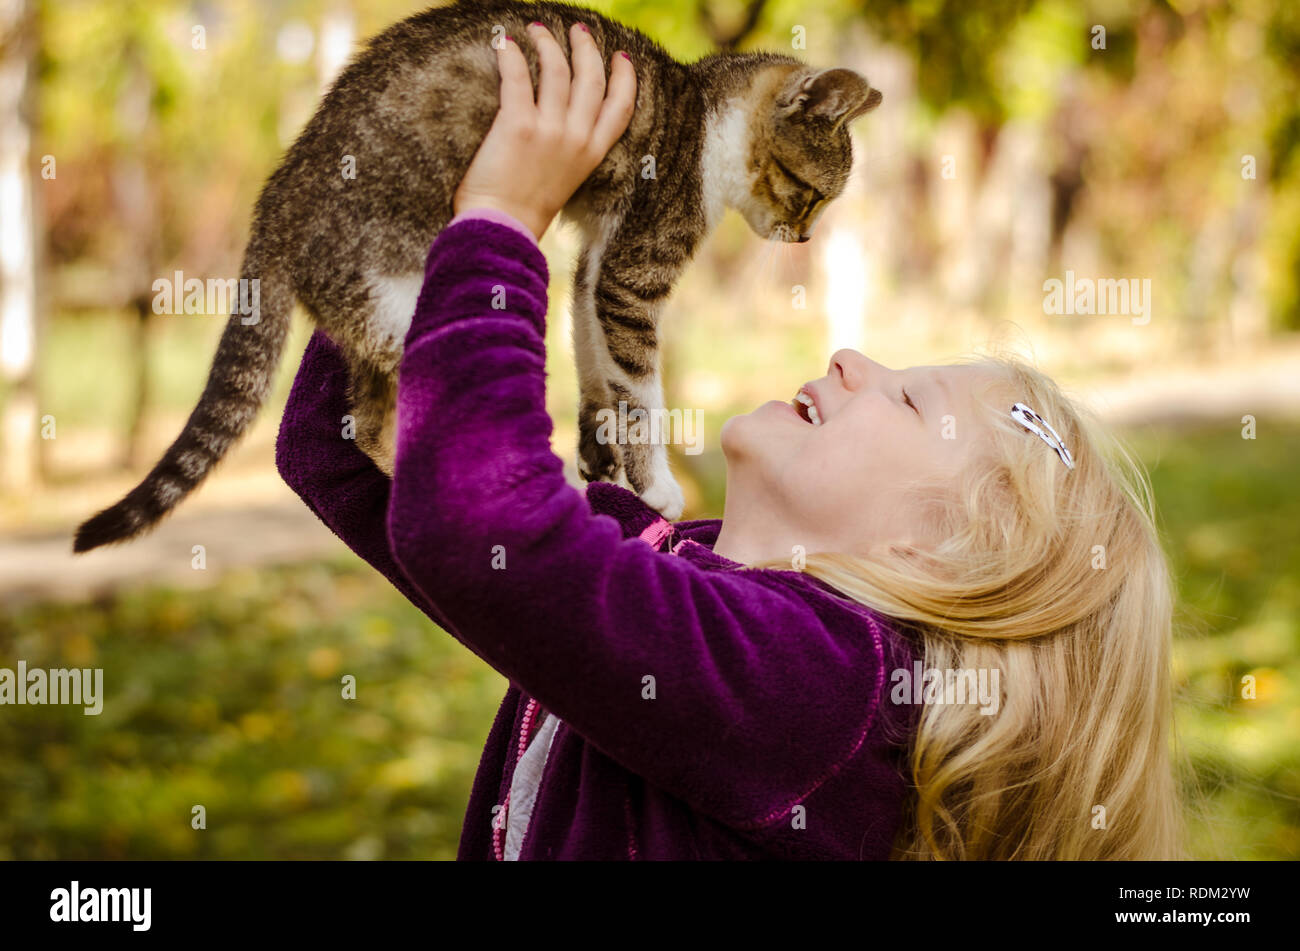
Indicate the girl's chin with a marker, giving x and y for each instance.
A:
(748, 430)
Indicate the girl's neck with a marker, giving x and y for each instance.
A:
(751, 533)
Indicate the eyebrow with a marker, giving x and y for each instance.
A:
(939, 383)
(942, 384)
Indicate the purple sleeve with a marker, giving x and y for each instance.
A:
(726, 691)
(494, 214)
(339, 482)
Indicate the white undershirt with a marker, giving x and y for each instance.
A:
(523, 786)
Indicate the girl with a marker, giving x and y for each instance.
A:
(781, 683)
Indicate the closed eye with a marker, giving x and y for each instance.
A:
(793, 177)
(908, 400)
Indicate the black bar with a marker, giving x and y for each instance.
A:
(436, 901)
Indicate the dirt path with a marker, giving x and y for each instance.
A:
(44, 568)
(244, 515)
(1262, 385)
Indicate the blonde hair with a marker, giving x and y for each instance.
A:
(1056, 579)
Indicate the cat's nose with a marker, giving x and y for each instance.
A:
(803, 237)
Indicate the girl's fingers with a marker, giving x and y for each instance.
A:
(516, 83)
(588, 82)
(553, 76)
(620, 102)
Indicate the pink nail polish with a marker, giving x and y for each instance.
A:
(625, 56)
(537, 23)
(510, 38)
(583, 28)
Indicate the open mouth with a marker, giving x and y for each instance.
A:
(803, 405)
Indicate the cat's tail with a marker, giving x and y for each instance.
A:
(239, 381)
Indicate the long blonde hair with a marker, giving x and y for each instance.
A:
(1055, 579)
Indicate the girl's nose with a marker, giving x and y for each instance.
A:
(852, 368)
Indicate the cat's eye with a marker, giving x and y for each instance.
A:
(804, 186)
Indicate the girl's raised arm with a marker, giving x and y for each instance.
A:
(339, 482)
(720, 687)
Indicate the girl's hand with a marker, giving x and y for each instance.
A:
(537, 154)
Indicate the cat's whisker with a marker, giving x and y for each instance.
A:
(782, 256)
(762, 269)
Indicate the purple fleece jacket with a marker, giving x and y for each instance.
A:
(705, 712)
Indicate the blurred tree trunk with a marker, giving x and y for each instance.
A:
(137, 210)
(19, 257)
(337, 36)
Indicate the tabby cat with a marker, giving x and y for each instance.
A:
(761, 133)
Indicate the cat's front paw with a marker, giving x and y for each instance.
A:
(665, 496)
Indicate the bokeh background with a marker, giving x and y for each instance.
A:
(1017, 140)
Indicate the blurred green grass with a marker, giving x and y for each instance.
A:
(230, 698)
(180, 355)
(1230, 517)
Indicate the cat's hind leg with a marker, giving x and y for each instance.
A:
(373, 398)
(371, 329)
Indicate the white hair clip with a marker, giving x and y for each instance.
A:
(1027, 418)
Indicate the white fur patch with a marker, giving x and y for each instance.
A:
(725, 160)
(662, 491)
(394, 297)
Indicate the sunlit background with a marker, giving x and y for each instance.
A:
(1017, 141)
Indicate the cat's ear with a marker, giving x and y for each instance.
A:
(838, 94)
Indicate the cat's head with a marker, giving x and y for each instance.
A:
(800, 154)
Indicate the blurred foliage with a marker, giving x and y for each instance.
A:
(1221, 76)
(957, 44)
(230, 698)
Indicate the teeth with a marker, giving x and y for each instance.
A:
(810, 407)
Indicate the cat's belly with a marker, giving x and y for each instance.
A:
(394, 297)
